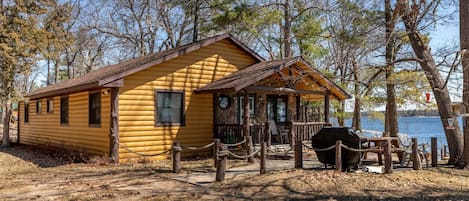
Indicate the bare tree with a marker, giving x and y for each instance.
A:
(464, 40)
(413, 16)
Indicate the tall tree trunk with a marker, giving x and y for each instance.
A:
(464, 40)
(356, 120)
(391, 107)
(195, 30)
(440, 91)
(56, 71)
(6, 114)
(48, 72)
(287, 29)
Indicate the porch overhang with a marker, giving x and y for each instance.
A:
(246, 79)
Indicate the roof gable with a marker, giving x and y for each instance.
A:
(262, 70)
(112, 75)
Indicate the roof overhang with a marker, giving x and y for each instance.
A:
(247, 78)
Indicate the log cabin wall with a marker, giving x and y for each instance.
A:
(137, 129)
(44, 128)
(230, 115)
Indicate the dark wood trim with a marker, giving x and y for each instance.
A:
(48, 109)
(215, 112)
(179, 52)
(326, 108)
(183, 112)
(266, 74)
(68, 110)
(115, 83)
(202, 91)
(298, 107)
(245, 48)
(284, 90)
(114, 131)
(94, 125)
(246, 113)
(74, 89)
(38, 106)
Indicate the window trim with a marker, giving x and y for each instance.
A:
(68, 110)
(26, 113)
(39, 106)
(50, 110)
(94, 125)
(183, 106)
(252, 112)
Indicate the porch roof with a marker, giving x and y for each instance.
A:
(250, 75)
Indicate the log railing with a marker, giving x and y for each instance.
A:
(304, 131)
(229, 133)
(232, 133)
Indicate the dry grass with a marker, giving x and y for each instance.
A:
(35, 174)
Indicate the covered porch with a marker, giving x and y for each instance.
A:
(278, 101)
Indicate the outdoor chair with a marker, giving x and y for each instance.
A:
(406, 147)
(405, 143)
(280, 134)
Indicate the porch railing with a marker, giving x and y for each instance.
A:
(304, 131)
(232, 133)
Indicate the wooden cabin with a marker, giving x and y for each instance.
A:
(190, 94)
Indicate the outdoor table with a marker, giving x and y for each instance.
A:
(379, 143)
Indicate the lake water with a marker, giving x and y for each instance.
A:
(423, 128)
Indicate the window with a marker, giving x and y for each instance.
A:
(64, 110)
(277, 108)
(94, 109)
(50, 105)
(170, 107)
(26, 112)
(252, 108)
(38, 106)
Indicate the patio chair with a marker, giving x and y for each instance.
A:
(280, 134)
(406, 147)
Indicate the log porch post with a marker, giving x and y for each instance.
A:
(246, 114)
(249, 147)
(326, 107)
(114, 134)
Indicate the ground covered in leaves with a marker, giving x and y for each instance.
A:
(30, 173)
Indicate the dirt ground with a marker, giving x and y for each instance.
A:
(29, 173)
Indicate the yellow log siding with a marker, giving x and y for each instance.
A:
(137, 129)
(45, 128)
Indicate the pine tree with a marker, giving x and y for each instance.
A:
(20, 39)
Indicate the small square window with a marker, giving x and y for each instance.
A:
(50, 105)
(38, 106)
(64, 110)
(94, 109)
(170, 108)
(26, 112)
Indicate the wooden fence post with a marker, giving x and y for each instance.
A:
(338, 155)
(387, 157)
(434, 147)
(291, 134)
(176, 157)
(221, 166)
(250, 149)
(298, 154)
(216, 147)
(263, 157)
(267, 136)
(415, 155)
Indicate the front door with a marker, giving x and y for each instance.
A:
(277, 108)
